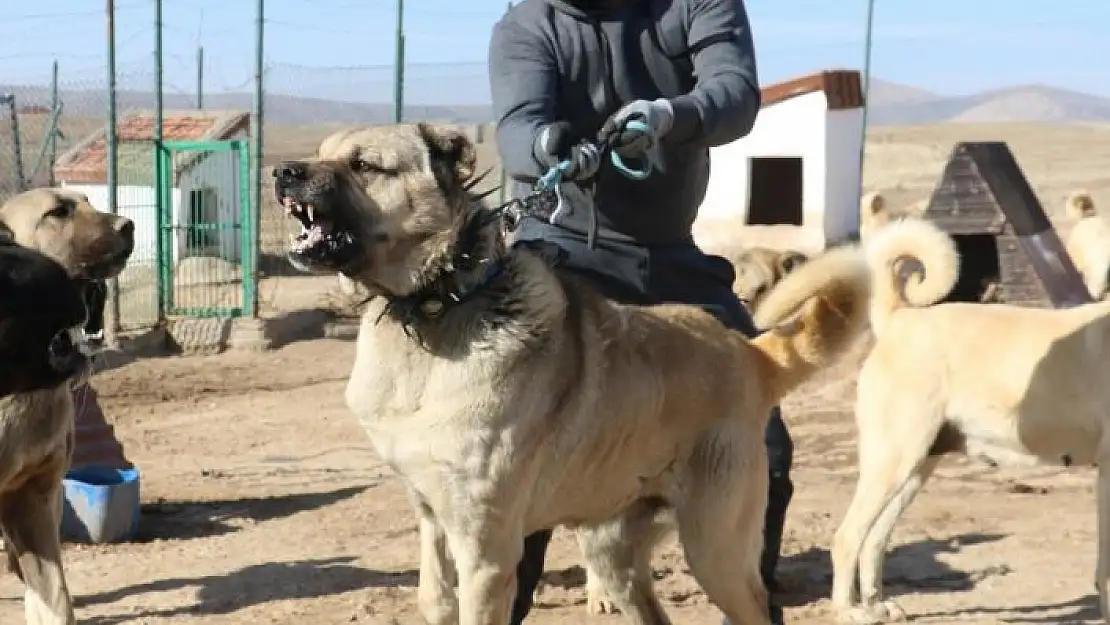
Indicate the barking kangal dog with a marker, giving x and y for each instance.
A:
(36, 427)
(509, 397)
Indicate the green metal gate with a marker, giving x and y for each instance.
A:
(206, 246)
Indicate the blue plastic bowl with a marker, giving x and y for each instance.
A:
(100, 504)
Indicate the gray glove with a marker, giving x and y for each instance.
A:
(557, 142)
(657, 115)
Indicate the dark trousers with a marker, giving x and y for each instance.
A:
(681, 274)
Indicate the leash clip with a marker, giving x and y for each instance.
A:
(552, 181)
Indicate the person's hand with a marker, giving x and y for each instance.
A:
(656, 115)
(557, 142)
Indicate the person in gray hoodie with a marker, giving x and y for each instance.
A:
(562, 71)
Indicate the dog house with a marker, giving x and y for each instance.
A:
(800, 164)
(1009, 251)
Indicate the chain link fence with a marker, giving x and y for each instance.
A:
(56, 125)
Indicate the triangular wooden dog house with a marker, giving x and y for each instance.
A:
(1009, 251)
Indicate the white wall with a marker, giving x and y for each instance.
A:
(137, 203)
(842, 188)
(795, 128)
(219, 171)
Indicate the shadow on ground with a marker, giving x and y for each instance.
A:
(250, 586)
(1079, 610)
(806, 577)
(170, 520)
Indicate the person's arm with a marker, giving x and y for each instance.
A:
(723, 105)
(522, 77)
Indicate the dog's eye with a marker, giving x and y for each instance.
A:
(363, 166)
(63, 210)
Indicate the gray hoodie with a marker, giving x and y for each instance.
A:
(560, 60)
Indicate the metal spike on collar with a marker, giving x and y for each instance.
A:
(432, 308)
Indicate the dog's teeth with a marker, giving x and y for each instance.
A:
(309, 211)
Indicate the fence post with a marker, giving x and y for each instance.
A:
(164, 256)
(399, 67)
(200, 77)
(17, 146)
(256, 153)
(111, 321)
(55, 114)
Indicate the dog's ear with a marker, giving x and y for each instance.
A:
(1079, 205)
(789, 261)
(872, 204)
(451, 152)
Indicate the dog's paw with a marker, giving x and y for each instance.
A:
(873, 614)
(598, 603)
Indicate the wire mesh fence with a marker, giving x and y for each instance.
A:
(54, 131)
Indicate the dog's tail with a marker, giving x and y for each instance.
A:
(913, 263)
(813, 316)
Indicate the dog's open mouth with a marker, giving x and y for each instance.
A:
(70, 354)
(321, 240)
(108, 267)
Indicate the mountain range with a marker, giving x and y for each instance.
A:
(891, 104)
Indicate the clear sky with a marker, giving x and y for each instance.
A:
(947, 46)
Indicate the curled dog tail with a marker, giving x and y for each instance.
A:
(813, 316)
(919, 251)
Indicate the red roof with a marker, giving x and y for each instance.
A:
(87, 162)
(843, 88)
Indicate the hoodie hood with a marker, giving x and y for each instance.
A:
(581, 8)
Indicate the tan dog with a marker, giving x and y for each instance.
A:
(1088, 243)
(758, 270)
(1004, 383)
(509, 397)
(875, 214)
(36, 428)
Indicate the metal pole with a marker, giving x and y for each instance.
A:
(866, 94)
(200, 77)
(111, 321)
(399, 67)
(256, 170)
(161, 239)
(866, 78)
(158, 73)
(55, 113)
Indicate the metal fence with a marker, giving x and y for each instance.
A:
(60, 121)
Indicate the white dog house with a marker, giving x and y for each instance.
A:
(800, 164)
(205, 185)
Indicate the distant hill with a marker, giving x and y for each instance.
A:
(282, 110)
(891, 104)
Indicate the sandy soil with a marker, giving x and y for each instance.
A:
(264, 504)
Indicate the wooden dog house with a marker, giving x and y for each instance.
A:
(1009, 251)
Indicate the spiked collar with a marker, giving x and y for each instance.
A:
(451, 287)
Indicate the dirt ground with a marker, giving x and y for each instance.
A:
(263, 502)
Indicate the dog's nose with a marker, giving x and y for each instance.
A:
(290, 172)
(125, 227)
